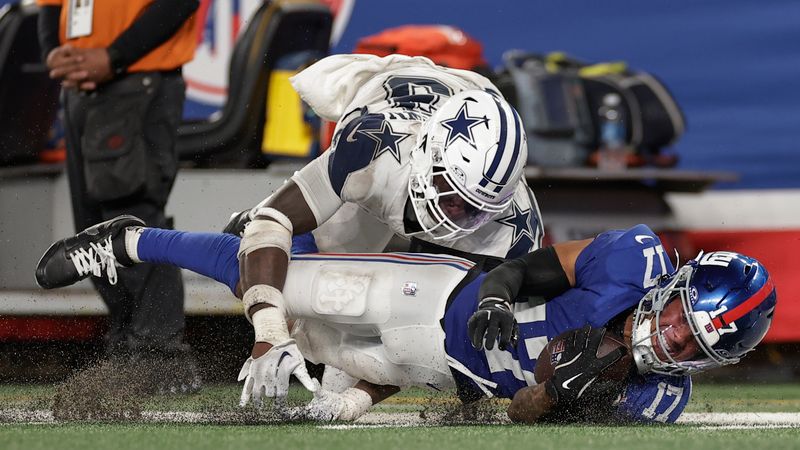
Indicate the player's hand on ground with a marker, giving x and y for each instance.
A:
(328, 406)
(579, 366)
(493, 321)
(236, 223)
(269, 374)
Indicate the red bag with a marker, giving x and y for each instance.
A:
(444, 45)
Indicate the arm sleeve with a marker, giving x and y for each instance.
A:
(538, 274)
(48, 28)
(154, 27)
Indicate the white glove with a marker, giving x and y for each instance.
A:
(327, 406)
(268, 375)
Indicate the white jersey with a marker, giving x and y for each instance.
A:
(380, 105)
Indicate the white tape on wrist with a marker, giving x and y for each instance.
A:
(356, 402)
(261, 293)
(261, 233)
(270, 326)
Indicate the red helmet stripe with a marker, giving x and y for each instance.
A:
(744, 308)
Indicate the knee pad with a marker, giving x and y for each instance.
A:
(337, 380)
(368, 363)
(419, 350)
(317, 341)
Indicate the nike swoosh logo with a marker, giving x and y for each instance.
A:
(278, 366)
(640, 238)
(565, 384)
(352, 136)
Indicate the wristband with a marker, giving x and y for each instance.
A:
(270, 326)
(495, 301)
(261, 293)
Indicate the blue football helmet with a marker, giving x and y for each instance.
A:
(728, 300)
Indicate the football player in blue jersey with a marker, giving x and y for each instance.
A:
(398, 320)
(707, 314)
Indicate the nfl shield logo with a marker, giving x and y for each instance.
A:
(555, 355)
(410, 288)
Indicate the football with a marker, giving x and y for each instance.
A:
(551, 353)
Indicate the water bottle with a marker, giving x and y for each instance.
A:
(612, 154)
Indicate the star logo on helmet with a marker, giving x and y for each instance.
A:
(386, 140)
(520, 221)
(461, 126)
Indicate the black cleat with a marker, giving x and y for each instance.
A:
(88, 253)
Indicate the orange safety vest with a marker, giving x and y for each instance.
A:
(111, 17)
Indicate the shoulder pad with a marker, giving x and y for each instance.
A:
(363, 140)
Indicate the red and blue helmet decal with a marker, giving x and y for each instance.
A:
(740, 296)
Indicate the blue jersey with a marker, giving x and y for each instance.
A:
(611, 275)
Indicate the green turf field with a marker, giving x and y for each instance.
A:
(120, 437)
(168, 435)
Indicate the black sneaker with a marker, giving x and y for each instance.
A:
(88, 253)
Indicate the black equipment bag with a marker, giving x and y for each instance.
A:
(558, 98)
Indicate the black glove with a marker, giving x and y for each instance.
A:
(579, 365)
(493, 318)
(236, 223)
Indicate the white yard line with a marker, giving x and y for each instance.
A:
(712, 421)
(741, 418)
(745, 427)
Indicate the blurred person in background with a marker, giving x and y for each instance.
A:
(123, 93)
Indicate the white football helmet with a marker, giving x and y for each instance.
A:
(467, 163)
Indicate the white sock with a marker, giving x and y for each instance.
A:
(132, 235)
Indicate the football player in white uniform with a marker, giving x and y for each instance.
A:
(420, 151)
